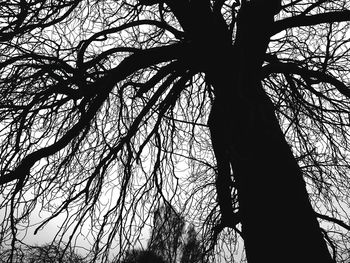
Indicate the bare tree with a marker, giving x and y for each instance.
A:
(168, 241)
(140, 256)
(104, 103)
(166, 234)
(191, 250)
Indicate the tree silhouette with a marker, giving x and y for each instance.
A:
(191, 251)
(139, 256)
(166, 234)
(104, 103)
(167, 241)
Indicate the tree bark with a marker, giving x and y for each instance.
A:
(278, 221)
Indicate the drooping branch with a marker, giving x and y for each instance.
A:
(101, 88)
(22, 170)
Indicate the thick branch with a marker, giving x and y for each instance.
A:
(301, 20)
(162, 25)
(334, 220)
(137, 61)
(307, 74)
(180, 8)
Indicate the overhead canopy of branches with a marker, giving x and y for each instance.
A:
(104, 108)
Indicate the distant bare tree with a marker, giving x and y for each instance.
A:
(140, 256)
(167, 233)
(192, 251)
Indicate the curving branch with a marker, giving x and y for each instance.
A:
(301, 20)
(84, 44)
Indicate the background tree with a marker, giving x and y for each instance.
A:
(168, 242)
(104, 103)
(191, 251)
(139, 256)
(166, 234)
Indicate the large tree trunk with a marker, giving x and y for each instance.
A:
(278, 222)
